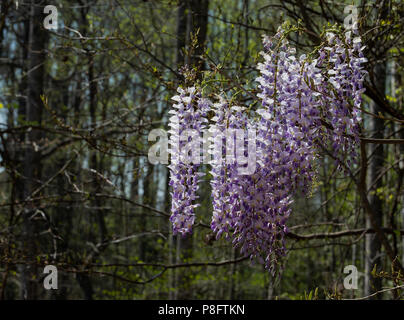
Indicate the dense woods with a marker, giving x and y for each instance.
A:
(77, 190)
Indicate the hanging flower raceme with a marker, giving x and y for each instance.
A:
(232, 137)
(288, 120)
(243, 210)
(186, 124)
(225, 192)
(341, 94)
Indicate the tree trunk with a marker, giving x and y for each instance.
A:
(376, 164)
(31, 165)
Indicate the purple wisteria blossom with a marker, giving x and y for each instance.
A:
(341, 94)
(288, 122)
(187, 120)
(307, 104)
(227, 182)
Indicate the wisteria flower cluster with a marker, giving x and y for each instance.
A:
(189, 116)
(341, 93)
(307, 104)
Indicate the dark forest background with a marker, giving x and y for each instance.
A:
(77, 190)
